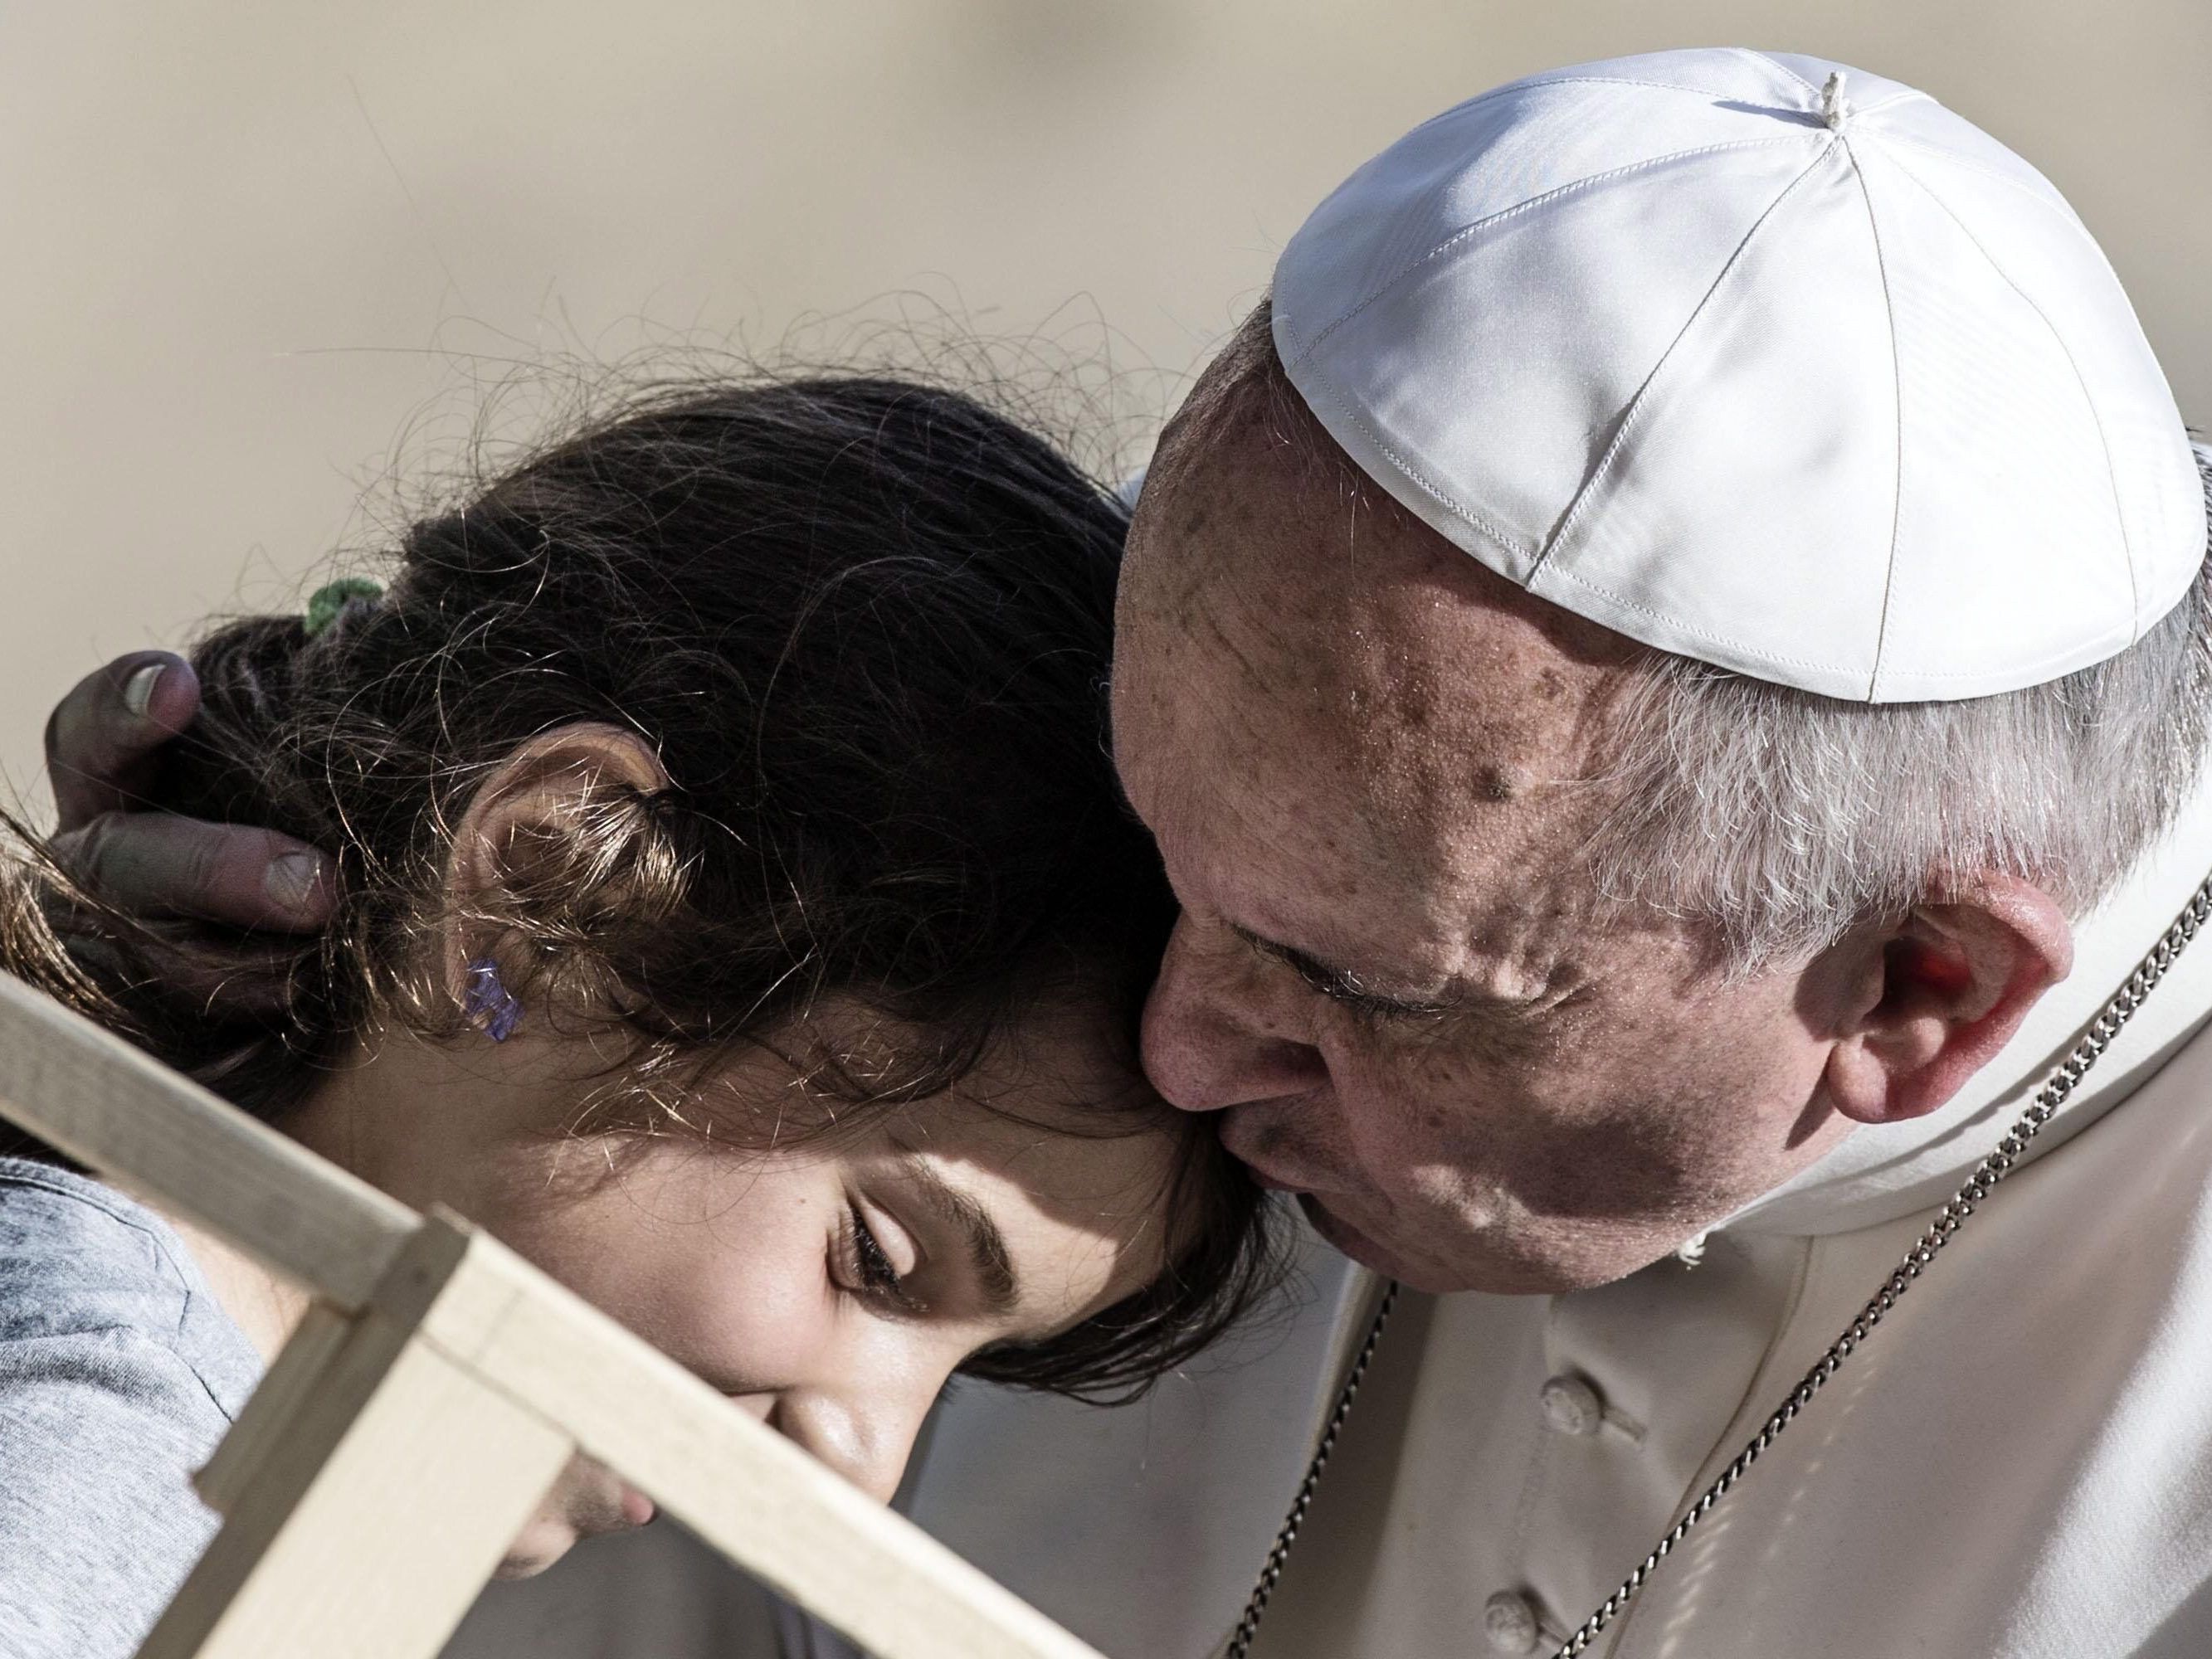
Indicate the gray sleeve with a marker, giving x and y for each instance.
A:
(99, 1431)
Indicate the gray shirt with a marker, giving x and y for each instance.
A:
(118, 1373)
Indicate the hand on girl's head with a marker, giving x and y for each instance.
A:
(756, 738)
(103, 746)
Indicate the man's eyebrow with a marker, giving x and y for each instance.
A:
(1312, 967)
(987, 1256)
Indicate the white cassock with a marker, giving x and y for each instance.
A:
(2018, 1462)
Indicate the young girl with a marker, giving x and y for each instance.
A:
(735, 914)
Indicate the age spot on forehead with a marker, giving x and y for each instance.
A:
(1502, 781)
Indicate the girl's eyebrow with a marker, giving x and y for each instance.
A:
(987, 1256)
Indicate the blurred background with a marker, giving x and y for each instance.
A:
(258, 252)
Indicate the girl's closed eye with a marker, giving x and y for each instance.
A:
(868, 1267)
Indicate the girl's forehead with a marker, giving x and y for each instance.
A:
(1100, 1183)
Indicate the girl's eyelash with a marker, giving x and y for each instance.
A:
(876, 1275)
(876, 1270)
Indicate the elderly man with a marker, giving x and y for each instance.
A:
(1527, 947)
(1670, 669)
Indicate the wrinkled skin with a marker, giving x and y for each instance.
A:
(1371, 766)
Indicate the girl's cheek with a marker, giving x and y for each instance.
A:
(753, 1315)
(775, 1330)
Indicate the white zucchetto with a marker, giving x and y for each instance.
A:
(1758, 359)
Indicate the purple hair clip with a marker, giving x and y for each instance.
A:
(489, 1003)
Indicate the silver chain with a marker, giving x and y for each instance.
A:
(1271, 1570)
(2061, 1083)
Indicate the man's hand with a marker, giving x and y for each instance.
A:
(102, 745)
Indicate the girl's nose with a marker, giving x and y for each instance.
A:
(866, 1436)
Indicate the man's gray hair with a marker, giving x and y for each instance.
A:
(1781, 819)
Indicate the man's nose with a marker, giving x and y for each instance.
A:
(867, 1438)
(1221, 1029)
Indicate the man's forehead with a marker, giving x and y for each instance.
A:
(1314, 689)
(1254, 517)
(1388, 662)
(1369, 870)
(1305, 869)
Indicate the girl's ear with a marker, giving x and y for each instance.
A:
(544, 822)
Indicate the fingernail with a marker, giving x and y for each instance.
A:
(138, 689)
(291, 878)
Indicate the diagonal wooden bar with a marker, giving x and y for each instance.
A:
(91, 1095)
(373, 1512)
(426, 1322)
(742, 1488)
(285, 1390)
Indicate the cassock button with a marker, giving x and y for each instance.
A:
(1510, 1623)
(1572, 1405)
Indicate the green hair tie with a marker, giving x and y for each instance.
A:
(324, 604)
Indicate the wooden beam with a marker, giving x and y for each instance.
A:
(375, 1507)
(445, 1384)
(745, 1490)
(116, 1110)
(286, 1388)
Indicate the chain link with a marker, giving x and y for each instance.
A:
(2060, 1084)
(1993, 1169)
(1271, 1570)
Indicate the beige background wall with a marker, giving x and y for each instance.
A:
(247, 244)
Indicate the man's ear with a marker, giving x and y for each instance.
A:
(1938, 993)
(527, 818)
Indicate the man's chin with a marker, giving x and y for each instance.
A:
(1346, 1239)
(1481, 1266)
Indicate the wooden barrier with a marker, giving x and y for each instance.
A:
(435, 1391)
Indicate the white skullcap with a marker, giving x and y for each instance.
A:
(1757, 359)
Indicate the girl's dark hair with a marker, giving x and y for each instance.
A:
(865, 625)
